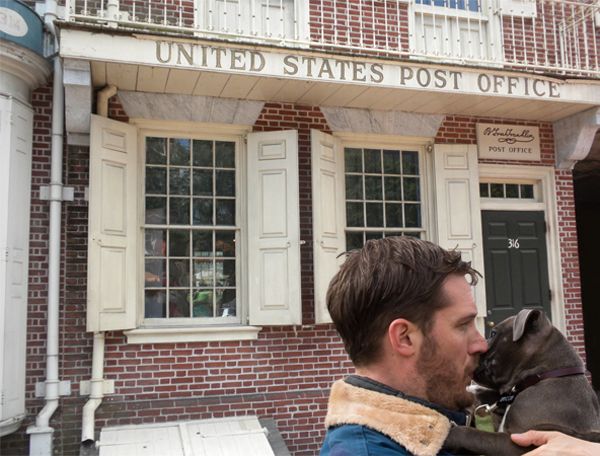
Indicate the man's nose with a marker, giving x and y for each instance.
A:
(479, 344)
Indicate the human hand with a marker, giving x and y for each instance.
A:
(551, 443)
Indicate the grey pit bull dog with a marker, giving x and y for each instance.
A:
(540, 383)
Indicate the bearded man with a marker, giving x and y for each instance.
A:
(406, 314)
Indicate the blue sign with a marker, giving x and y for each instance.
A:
(21, 25)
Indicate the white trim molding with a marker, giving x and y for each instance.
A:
(191, 334)
(545, 177)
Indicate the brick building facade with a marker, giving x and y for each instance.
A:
(363, 78)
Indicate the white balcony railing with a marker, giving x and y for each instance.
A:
(548, 36)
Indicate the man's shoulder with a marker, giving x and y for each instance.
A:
(357, 440)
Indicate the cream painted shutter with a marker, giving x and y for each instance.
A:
(112, 256)
(16, 127)
(273, 229)
(457, 201)
(329, 217)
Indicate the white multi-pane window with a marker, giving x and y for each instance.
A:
(383, 194)
(260, 19)
(190, 250)
(456, 29)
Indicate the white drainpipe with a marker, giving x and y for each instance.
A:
(96, 391)
(41, 433)
(97, 380)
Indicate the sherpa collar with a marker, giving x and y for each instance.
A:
(417, 428)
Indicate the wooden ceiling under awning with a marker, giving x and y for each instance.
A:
(134, 77)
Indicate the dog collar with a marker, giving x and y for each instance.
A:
(508, 398)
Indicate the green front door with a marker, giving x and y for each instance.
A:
(516, 263)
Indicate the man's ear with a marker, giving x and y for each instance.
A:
(403, 336)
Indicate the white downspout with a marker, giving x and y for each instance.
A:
(97, 380)
(96, 391)
(41, 433)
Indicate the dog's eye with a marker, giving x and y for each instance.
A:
(492, 333)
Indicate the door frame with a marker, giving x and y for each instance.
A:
(544, 178)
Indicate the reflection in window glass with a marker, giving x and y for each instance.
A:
(383, 194)
(190, 254)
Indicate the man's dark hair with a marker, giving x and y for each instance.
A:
(390, 278)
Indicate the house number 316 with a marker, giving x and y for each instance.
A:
(513, 243)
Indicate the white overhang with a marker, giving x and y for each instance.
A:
(179, 65)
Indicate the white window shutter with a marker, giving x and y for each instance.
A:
(273, 229)
(113, 230)
(16, 126)
(458, 209)
(329, 216)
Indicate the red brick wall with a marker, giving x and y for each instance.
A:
(284, 374)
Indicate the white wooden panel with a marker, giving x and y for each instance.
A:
(16, 128)
(273, 229)
(98, 73)
(238, 86)
(273, 191)
(210, 84)
(231, 436)
(152, 79)
(329, 217)
(113, 226)
(457, 195)
(457, 204)
(274, 269)
(181, 81)
(121, 75)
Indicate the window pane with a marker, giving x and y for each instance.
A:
(179, 150)
(155, 273)
(203, 303)
(497, 190)
(354, 187)
(155, 304)
(202, 153)
(374, 214)
(179, 243)
(412, 215)
(226, 304)
(512, 190)
(203, 182)
(354, 214)
(393, 191)
(179, 211)
(203, 211)
(484, 190)
(179, 273)
(391, 161)
(156, 210)
(202, 243)
(353, 160)
(411, 189)
(225, 212)
(225, 273)
(179, 181)
(225, 183)
(204, 274)
(155, 243)
(393, 215)
(224, 154)
(373, 188)
(372, 161)
(156, 151)
(374, 235)
(179, 304)
(354, 240)
(156, 180)
(225, 243)
(410, 162)
(527, 191)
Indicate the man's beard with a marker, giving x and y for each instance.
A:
(444, 385)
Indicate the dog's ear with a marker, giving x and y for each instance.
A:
(523, 318)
